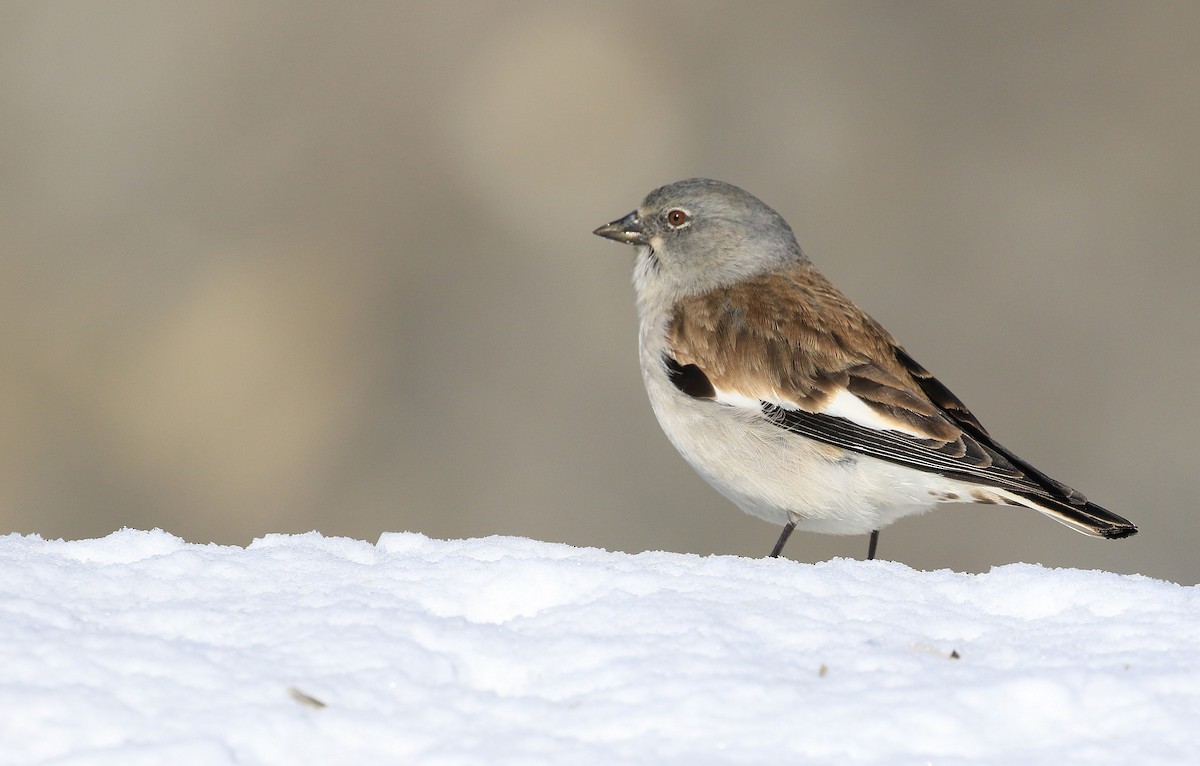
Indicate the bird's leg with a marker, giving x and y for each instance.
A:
(783, 538)
(873, 544)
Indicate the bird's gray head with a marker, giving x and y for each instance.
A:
(696, 235)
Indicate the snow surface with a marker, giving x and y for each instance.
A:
(140, 648)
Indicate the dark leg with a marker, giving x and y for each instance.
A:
(782, 541)
(871, 546)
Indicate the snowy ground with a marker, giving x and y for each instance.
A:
(140, 648)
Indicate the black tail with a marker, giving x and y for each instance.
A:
(1085, 517)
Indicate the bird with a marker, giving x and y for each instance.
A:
(787, 398)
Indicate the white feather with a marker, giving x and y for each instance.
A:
(846, 405)
(843, 404)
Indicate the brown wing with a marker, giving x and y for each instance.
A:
(791, 337)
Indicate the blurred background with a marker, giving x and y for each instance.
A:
(273, 267)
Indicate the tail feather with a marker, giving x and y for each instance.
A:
(1085, 517)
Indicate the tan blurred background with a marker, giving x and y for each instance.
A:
(272, 267)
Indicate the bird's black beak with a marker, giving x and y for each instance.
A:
(628, 230)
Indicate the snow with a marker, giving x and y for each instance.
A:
(141, 648)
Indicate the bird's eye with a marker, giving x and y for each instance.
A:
(677, 218)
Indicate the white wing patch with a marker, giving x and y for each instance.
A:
(843, 404)
(737, 399)
(846, 405)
